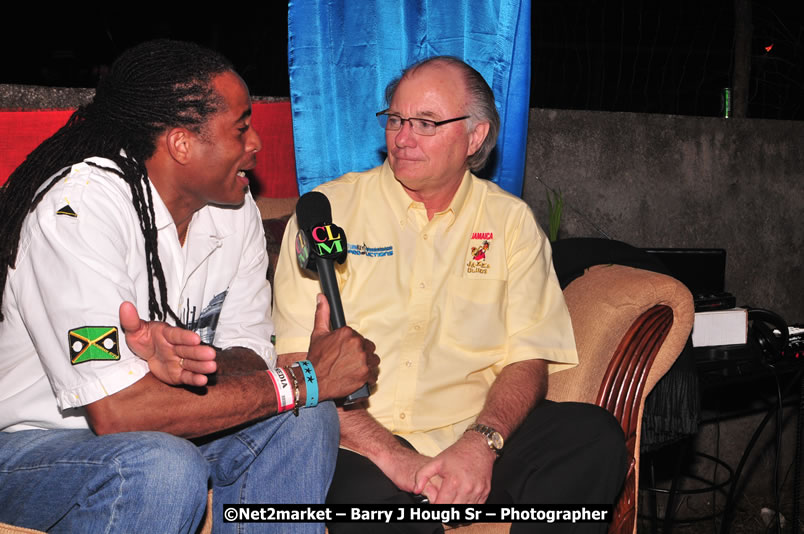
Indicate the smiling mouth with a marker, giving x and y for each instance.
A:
(250, 165)
(242, 178)
(406, 158)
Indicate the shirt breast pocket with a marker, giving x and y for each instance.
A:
(475, 313)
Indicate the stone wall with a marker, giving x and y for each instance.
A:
(673, 181)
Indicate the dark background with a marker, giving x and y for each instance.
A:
(672, 57)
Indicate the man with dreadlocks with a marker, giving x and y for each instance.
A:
(148, 215)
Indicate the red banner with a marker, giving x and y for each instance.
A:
(22, 131)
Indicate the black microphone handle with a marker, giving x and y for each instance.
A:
(329, 285)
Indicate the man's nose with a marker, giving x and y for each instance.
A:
(254, 143)
(404, 136)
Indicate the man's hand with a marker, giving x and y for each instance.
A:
(464, 469)
(343, 360)
(362, 433)
(174, 355)
(402, 472)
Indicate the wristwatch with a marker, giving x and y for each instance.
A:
(493, 438)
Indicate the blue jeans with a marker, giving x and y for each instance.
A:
(75, 481)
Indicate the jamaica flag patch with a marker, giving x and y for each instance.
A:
(93, 343)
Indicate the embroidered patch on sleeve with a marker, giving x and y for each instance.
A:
(93, 343)
(67, 210)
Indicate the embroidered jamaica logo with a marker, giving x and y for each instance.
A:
(478, 262)
(479, 253)
(93, 343)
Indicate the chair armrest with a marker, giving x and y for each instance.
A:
(630, 325)
(622, 393)
(603, 305)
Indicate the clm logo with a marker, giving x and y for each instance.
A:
(325, 241)
(302, 249)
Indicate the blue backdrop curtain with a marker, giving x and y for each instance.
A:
(342, 54)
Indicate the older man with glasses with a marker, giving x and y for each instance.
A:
(452, 278)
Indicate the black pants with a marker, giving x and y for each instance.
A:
(563, 453)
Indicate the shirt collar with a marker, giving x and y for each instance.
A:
(163, 218)
(400, 202)
(460, 198)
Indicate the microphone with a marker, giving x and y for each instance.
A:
(319, 244)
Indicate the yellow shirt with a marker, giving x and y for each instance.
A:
(449, 302)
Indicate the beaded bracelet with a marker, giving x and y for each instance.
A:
(297, 395)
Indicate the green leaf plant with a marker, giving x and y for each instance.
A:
(555, 204)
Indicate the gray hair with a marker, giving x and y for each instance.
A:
(481, 104)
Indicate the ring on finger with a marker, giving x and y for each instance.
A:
(181, 363)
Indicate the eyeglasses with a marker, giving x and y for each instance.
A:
(392, 121)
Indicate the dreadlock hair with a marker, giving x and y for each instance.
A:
(151, 87)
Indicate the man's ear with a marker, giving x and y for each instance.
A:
(178, 143)
(477, 136)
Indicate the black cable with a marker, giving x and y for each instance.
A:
(714, 477)
(729, 510)
(779, 422)
(797, 458)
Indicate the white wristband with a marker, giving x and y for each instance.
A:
(283, 389)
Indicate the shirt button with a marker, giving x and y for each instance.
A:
(408, 363)
(425, 236)
(402, 415)
(417, 327)
(422, 285)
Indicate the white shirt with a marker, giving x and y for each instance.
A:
(81, 254)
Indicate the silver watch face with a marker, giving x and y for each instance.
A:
(493, 438)
(497, 440)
